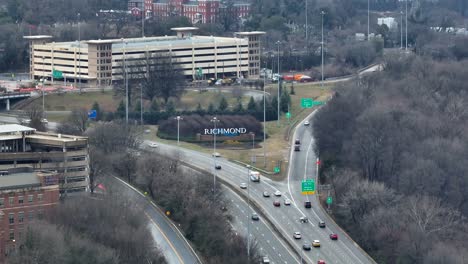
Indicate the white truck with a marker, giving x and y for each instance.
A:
(254, 176)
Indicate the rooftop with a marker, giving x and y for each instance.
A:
(19, 180)
(38, 37)
(250, 33)
(13, 128)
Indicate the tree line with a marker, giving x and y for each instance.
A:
(393, 146)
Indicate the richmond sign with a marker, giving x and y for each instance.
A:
(225, 131)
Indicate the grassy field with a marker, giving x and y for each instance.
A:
(277, 145)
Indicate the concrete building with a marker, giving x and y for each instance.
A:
(25, 195)
(100, 62)
(22, 146)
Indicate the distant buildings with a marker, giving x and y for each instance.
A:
(390, 22)
(25, 195)
(66, 155)
(201, 11)
(101, 62)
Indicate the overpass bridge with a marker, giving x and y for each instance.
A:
(6, 97)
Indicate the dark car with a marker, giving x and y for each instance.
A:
(255, 217)
(218, 167)
(334, 236)
(297, 142)
(307, 204)
(306, 246)
(321, 224)
(297, 148)
(277, 203)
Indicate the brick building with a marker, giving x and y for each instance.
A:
(200, 11)
(25, 195)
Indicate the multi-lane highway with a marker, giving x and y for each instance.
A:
(286, 219)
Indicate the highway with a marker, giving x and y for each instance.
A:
(170, 241)
(285, 218)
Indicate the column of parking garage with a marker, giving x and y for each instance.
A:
(215, 58)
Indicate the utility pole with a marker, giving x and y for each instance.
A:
(322, 13)
(279, 83)
(79, 52)
(214, 120)
(406, 25)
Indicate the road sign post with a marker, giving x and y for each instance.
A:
(276, 170)
(308, 187)
(92, 114)
(306, 102)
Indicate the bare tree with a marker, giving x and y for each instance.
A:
(76, 123)
(113, 137)
(35, 116)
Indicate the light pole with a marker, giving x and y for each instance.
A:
(126, 83)
(278, 44)
(406, 25)
(368, 19)
(306, 26)
(79, 52)
(322, 13)
(43, 79)
(214, 120)
(264, 120)
(401, 30)
(248, 214)
(178, 118)
(141, 105)
(253, 147)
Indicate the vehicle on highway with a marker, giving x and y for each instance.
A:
(217, 166)
(266, 194)
(297, 148)
(255, 217)
(278, 193)
(216, 154)
(334, 236)
(321, 224)
(297, 142)
(306, 123)
(321, 261)
(306, 246)
(153, 145)
(243, 185)
(254, 176)
(287, 202)
(25, 121)
(297, 235)
(44, 121)
(316, 243)
(265, 260)
(307, 204)
(277, 203)
(304, 219)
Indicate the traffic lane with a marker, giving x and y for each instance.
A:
(238, 174)
(179, 250)
(268, 243)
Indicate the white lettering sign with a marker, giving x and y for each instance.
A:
(225, 131)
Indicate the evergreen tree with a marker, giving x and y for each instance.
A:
(274, 107)
(120, 112)
(170, 107)
(251, 107)
(98, 110)
(138, 106)
(239, 109)
(285, 101)
(154, 106)
(223, 105)
(200, 109)
(211, 108)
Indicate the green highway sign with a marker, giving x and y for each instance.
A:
(308, 186)
(288, 115)
(329, 200)
(57, 74)
(306, 102)
(276, 169)
(199, 72)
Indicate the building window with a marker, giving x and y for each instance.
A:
(40, 213)
(11, 200)
(30, 198)
(39, 197)
(30, 215)
(2, 202)
(12, 234)
(20, 199)
(20, 217)
(11, 218)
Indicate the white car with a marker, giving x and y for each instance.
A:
(297, 235)
(45, 121)
(277, 193)
(216, 154)
(243, 185)
(266, 260)
(153, 145)
(306, 123)
(287, 202)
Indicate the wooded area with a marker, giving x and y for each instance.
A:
(394, 146)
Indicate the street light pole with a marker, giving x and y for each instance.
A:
(214, 120)
(401, 30)
(248, 214)
(264, 119)
(126, 84)
(306, 26)
(43, 79)
(278, 43)
(322, 13)
(406, 25)
(368, 19)
(79, 52)
(253, 147)
(178, 118)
